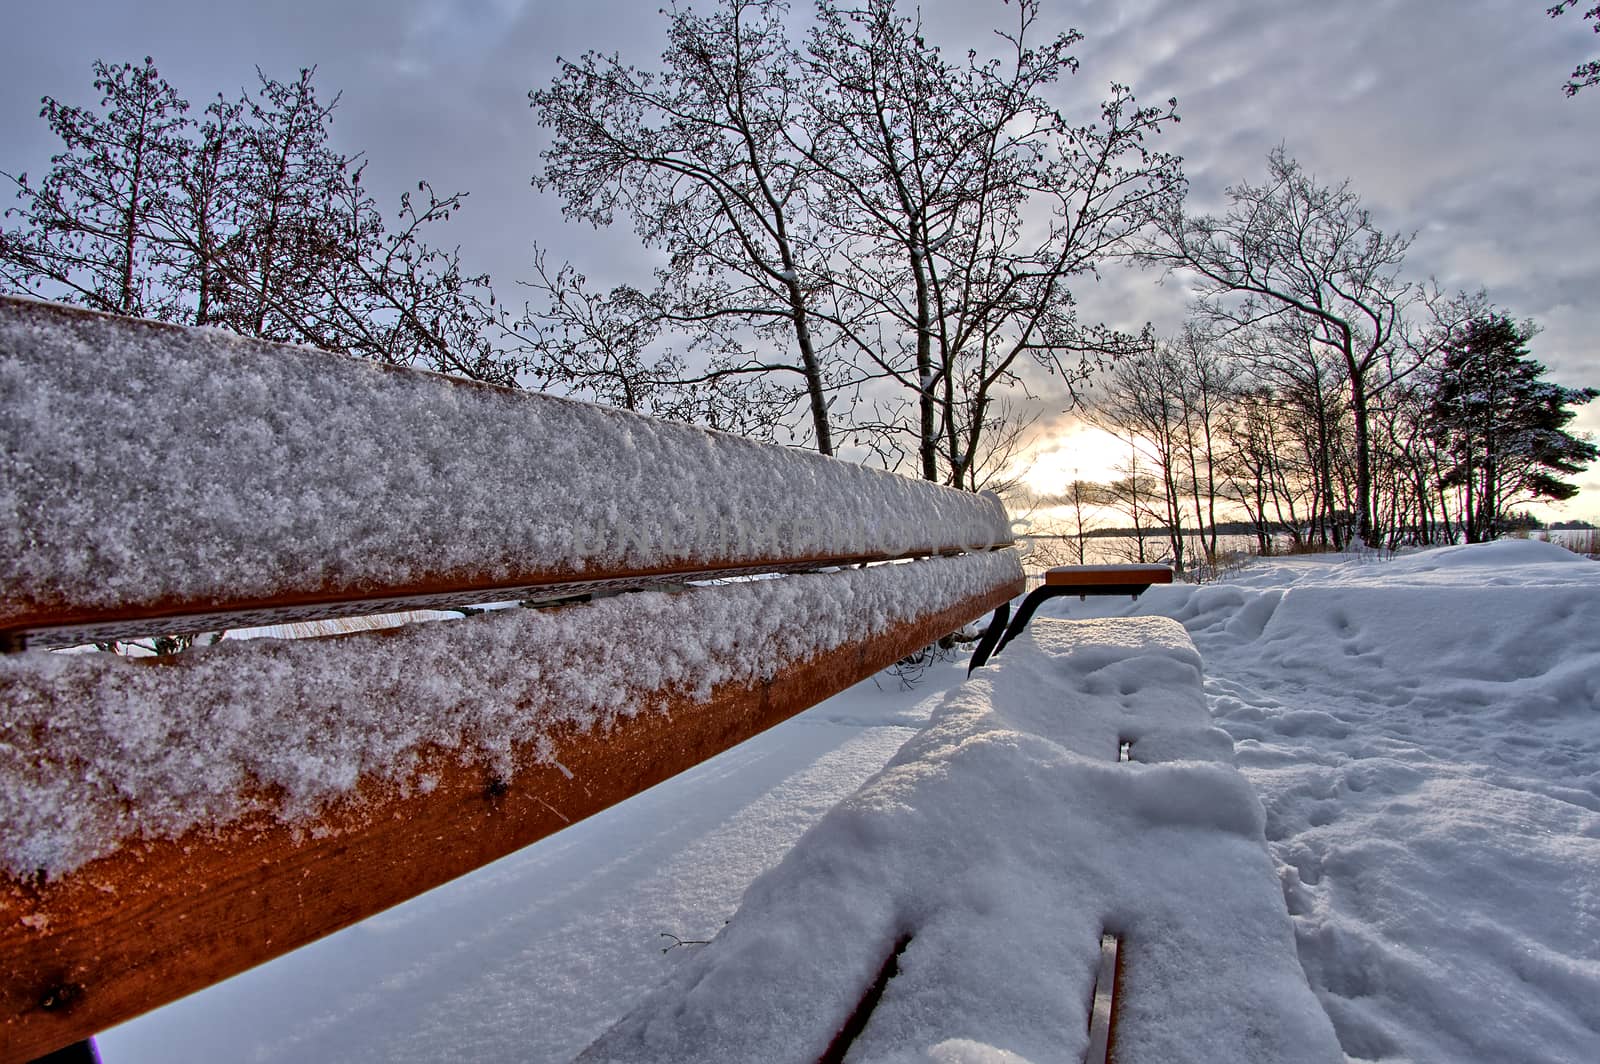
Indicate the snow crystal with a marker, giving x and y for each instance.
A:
(1002, 840)
(150, 463)
(95, 748)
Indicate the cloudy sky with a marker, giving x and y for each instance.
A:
(1446, 116)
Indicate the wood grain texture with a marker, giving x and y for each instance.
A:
(157, 920)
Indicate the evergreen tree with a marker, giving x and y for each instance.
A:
(1503, 425)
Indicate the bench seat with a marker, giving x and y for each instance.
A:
(954, 908)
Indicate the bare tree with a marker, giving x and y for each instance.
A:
(697, 154)
(605, 346)
(203, 212)
(1294, 248)
(1083, 500)
(1207, 382)
(965, 204)
(285, 179)
(1141, 401)
(1258, 467)
(858, 200)
(1307, 384)
(88, 228)
(1585, 74)
(248, 220)
(1137, 494)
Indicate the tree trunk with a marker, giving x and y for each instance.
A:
(812, 367)
(1358, 412)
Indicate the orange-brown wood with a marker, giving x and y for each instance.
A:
(159, 919)
(1105, 1004)
(1102, 575)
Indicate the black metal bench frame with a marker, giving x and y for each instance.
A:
(1080, 580)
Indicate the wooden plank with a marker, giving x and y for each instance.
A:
(1103, 1007)
(157, 920)
(182, 476)
(856, 1022)
(64, 625)
(1101, 575)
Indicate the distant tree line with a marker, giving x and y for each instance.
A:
(1322, 394)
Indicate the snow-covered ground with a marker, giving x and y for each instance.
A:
(1423, 733)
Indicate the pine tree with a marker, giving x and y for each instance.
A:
(1503, 425)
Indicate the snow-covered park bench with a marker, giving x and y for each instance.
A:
(1065, 865)
(167, 821)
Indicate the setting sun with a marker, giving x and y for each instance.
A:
(1079, 452)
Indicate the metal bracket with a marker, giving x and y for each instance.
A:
(988, 647)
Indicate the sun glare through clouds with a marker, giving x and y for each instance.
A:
(1080, 452)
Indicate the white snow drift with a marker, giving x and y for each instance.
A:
(1003, 839)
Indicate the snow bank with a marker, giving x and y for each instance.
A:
(95, 748)
(1425, 737)
(1002, 840)
(150, 463)
(1503, 563)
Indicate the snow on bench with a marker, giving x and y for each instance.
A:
(988, 860)
(164, 474)
(171, 821)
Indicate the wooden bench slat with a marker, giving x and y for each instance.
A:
(157, 919)
(155, 472)
(76, 627)
(1101, 575)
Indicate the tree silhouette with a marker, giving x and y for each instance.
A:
(1503, 424)
(1585, 74)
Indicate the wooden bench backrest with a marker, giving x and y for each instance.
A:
(161, 480)
(175, 477)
